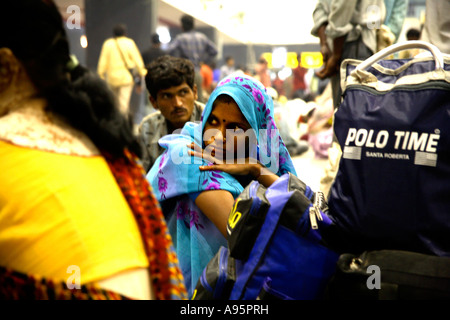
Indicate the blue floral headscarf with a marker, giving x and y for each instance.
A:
(176, 174)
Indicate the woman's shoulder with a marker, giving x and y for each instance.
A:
(191, 132)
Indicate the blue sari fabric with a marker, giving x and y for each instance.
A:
(177, 180)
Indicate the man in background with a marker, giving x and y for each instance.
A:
(173, 93)
(262, 72)
(436, 29)
(411, 35)
(194, 46)
(345, 30)
(119, 54)
(150, 54)
(298, 79)
(228, 68)
(154, 51)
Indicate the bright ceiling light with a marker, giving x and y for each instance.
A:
(164, 34)
(83, 41)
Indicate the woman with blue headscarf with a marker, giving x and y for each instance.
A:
(208, 164)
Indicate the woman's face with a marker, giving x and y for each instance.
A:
(226, 133)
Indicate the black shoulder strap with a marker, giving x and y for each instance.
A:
(121, 54)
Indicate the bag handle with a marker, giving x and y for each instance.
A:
(437, 55)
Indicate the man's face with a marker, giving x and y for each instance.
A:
(176, 104)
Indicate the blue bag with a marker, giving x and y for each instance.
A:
(275, 249)
(393, 184)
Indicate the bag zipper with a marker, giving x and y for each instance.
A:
(314, 210)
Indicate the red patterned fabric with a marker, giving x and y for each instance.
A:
(166, 276)
(18, 286)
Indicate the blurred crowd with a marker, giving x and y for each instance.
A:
(302, 93)
(85, 181)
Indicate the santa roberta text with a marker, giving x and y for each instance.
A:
(232, 309)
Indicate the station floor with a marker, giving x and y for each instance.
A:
(309, 168)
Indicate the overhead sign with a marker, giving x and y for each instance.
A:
(311, 60)
(279, 59)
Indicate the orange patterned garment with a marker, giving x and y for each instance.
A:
(167, 279)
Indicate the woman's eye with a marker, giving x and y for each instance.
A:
(213, 121)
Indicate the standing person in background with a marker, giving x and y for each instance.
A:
(194, 46)
(412, 34)
(390, 30)
(119, 54)
(262, 72)
(346, 30)
(149, 55)
(207, 79)
(396, 11)
(278, 85)
(228, 68)
(154, 51)
(216, 74)
(436, 29)
(298, 80)
(72, 194)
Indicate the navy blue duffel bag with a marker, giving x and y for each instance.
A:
(392, 189)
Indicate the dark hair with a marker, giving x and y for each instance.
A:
(77, 95)
(262, 60)
(120, 30)
(223, 98)
(187, 22)
(168, 71)
(155, 38)
(413, 33)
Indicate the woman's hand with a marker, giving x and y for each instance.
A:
(247, 166)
